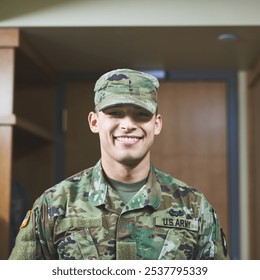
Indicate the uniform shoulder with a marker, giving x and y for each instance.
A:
(79, 175)
(171, 184)
(77, 183)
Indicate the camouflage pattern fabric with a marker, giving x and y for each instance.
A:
(126, 86)
(84, 218)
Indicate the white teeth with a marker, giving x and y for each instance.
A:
(127, 139)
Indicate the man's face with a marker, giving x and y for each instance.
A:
(126, 133)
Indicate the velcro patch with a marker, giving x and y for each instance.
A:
(126, 250)
(72, 223)
(175, 222)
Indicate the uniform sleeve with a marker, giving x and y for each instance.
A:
(34, 240)
(25, 243)
(212, 243)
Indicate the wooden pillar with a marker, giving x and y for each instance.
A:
(9, 39)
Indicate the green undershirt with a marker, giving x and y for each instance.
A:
(126, 190)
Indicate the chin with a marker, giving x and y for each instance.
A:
(130, 161)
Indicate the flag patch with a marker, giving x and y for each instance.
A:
(26, 219)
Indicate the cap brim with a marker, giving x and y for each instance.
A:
(114, 100)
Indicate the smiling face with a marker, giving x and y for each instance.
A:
(126, 133)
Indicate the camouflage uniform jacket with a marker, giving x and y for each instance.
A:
(84, 218)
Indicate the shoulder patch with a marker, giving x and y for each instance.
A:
(26, 219)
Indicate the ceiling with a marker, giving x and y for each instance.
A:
(97, 49)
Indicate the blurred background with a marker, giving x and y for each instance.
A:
(206, 56)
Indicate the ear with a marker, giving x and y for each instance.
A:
(93, 121)
(158, 124)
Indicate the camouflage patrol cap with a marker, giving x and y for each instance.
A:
(126, 86)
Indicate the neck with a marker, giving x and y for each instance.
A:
(127, 173)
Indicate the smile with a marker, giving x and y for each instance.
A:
(128, 140)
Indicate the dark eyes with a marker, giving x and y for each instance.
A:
(121, 114)
(114, 113)
(143, 114)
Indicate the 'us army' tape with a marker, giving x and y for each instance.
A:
(177, 223)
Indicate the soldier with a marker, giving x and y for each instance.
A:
(123, 207)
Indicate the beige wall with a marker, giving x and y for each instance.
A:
(44, 13)
(254, 149)
(243, 165)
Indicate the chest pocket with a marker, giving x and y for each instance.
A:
(178, 245)
(73, 238)
(181, 239)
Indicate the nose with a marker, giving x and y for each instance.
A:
(128, 124)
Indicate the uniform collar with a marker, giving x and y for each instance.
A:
(149, 194)
(98, 191)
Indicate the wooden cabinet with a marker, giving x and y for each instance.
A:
(27, 124)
